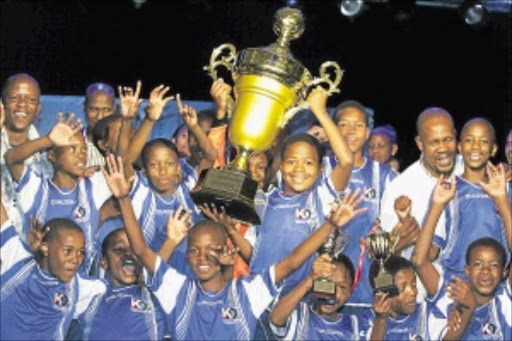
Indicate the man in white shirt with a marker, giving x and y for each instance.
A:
(437, 141)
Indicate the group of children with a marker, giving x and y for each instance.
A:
(124, 253)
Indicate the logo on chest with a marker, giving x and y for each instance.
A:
(370, 193)
(302, 214)
(139, 306)
(229, 314)
(79, 212)
(415, 337)
(60, 300)
(488, 329)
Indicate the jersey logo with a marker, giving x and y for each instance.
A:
(79, 212)
(415, 337)
(488, 329)
(139, 306)
(302, 214)
(60, 300)
(229, 313)
(370, 193)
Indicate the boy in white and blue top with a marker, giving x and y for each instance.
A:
(68, 194)
(371, 178)
(127, 310)
(211, 306)
(39, 298)
(292, 318)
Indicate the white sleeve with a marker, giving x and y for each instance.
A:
(260, 290)
(250, 235)
(288, 331)
(12, 249)
(87, 289)
(30, 182)
(138, 194)
(388, 217)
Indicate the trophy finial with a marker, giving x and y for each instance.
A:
(288, 25)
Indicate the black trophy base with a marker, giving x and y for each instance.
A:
(323, 292)
(232, 189)
(384, 284)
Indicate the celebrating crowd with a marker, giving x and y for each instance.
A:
(101, 240)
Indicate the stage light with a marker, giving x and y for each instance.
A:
(291, 3)
(351, 8)
(473, 12)
(138, 3)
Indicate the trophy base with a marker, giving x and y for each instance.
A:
(384, 284)
(323, 292)
(228, 188)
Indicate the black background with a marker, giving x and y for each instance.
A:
(395, 68)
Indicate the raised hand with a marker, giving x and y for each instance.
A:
(221, 217)
(318, 132)
(322, 267)
(460, 291)
(444, 190)
(346, 209)
(381, 305)
(35, 233)
(188, 114)
(63, 131)
(454, 319)
(220, 93)
(225, 255)
(115, 178)
(157, 102)
(497, 185)
(317, 100)
(403, 207)
(178, 225)
(129, 101)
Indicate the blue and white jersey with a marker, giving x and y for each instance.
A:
(123, 313)
(195, 314)
(12, 249)
(371, 179)
(492, 321)
(288, 220)
(40, 198)
(470, 215)
(152, 212)
(413, 327)
(305, 324)
(36, 305)
(189, 173)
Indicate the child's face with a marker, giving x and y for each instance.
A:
(72, 159)
(476, 145)
(257, 166)
(485, 270)
(300, 167)
(98, 105)
(65, 254)
(352, 125)
(182, 142)
(119, 260)
(203, 246)
(162, 169)
(343, 283)
(405, 282)
(379, 148)
(113, 135)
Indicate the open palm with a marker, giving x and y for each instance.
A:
(115, 178)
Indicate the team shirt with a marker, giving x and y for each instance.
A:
(152, 212)
(470, 215)
(196, 314)
(123, 313)
(40, 198)
(305, 324)
(288, 220)
(371, 179)
(12, 249)
(492, 321)
(34, 304)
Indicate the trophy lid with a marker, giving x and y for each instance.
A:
(276, 61)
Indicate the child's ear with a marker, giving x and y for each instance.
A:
(104, 263)
(44, 249)
(50, 155)
(419, 143)
(394, 149)
(494, 150)
(321, 167)
(458, 147)
(103, 145)
(466, 271)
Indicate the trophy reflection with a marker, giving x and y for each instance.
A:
(381, 245)
(270, 87)
(324, 289)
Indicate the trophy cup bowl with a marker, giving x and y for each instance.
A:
(270, 87)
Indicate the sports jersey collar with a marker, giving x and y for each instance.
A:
(212, 294)
(46, 278)
(112, 290)
(404, 318)
(61, 190)
(326, 320)
(357, 169)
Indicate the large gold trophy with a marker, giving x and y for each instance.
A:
(270, 87)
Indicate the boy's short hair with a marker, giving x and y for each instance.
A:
(480, 120)
(52, 228)
(303, 137)
(207, 224)
(157, 142)
(101, 130)
(387, 130)
(487, 242)
(351, 104)
(347, 263)
(392, 266)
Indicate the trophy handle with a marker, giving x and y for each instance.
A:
(308, 83)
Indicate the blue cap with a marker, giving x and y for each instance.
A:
(387, 130)
(109, 226)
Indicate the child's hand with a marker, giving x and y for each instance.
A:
(408, 231)
(129, 101)
(322, 267)
(188, 114)
(63, 131)
(461, 292)
(317, 100)
(346, 210)
(178, 225)
(225, 255)
(115, 178)
(454, 319)
(381, 305)
(35, 233)
(403, 207)
(497, 185)
(157, 102)
(220, 93)
(444, 190)
(222, 217)
(318, 132)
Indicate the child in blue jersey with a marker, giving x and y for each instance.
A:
(67, 194)
(371, 177)
(212, 307)
(476, 205)
(399, 317)
(39, 296)
(294, 319)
